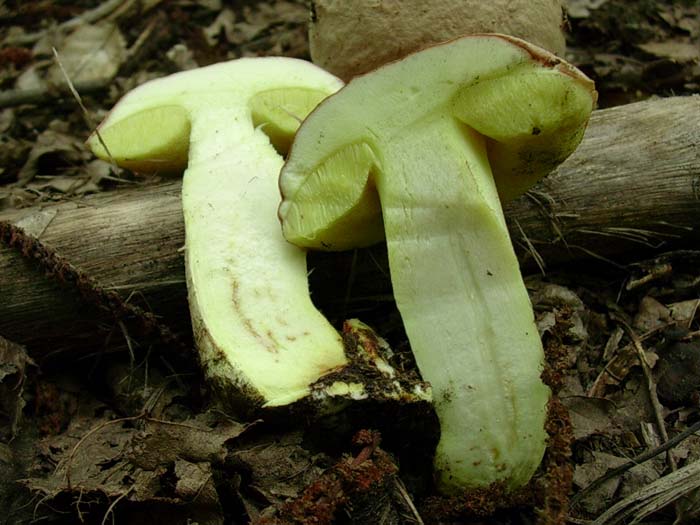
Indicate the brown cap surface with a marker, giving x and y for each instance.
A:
(350, 38)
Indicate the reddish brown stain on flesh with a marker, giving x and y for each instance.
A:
(267, 342)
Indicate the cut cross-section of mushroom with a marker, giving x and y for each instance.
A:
(260, 338)
(418, 151)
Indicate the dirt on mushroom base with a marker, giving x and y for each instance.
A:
(605, 42)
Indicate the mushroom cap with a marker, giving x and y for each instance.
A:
(531, 106)
(148, 130)
(351, 38)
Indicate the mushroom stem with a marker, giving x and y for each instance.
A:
(261, 342)
(434, 136)
(248, 290)
(463, 302)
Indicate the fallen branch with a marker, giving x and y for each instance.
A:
(632, 186)
(631, 189)
(90, 293)
(106, 9)
(653, 497)
(50, 93)
(635, 461)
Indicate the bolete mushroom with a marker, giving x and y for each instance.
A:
(351, 38)
(417, 151)
(260, 338)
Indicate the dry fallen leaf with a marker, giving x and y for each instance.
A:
(684, 312)
(680, 50)
(91, 52)
(225, 21)
(211, 5)
(678, 373)
(66, 184)
(597, 501)
(53, 141)
(7, 118)
(165, 463)
(279, 467)
(582, 8)
(652, 315)
(199, 439)
(182, 57)
(591, 416)
(13, 368)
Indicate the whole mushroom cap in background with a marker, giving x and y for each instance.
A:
(351, 38)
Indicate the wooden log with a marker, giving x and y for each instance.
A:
(633, 186)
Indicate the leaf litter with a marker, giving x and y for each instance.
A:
(125, 442)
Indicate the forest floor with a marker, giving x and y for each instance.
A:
(135, 436)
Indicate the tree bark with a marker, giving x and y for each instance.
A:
(632, 187)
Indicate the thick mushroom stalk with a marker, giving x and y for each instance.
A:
(406, 151)
(259, 336)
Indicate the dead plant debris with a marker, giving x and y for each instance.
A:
(132, 437)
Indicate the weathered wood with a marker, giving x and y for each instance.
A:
(633, 183)
(127, 241)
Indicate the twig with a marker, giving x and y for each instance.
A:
(643, 237)
(612, 353)
(126, 5)
(653, 396)
(177, 424)
(653, 497)
(637, 460)
(77, 505)
(39, 503)
(69, 82)
(535, 254)
(546, 204)
(577, 521)
(407, 499)
(651, 385)
(88, 17)
(130, 347)
(595, 255)
(86, 114)
(691, 317)
(141, 41)
(49, 94)
(110, 509)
